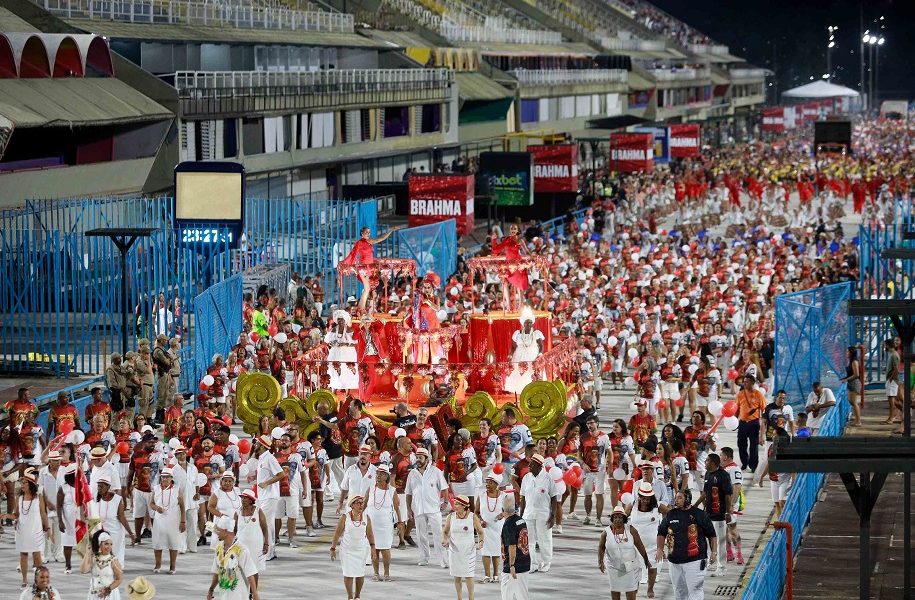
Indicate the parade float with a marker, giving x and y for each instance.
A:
(465, 372)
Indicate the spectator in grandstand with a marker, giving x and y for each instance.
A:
(818, 402)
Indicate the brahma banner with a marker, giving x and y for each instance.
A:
(631, 152)
(773, 118)
(435, 198)
(555, 167)
(810, 111)
(684, 140)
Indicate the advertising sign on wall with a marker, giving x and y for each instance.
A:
(435, 198)
(684, 140)
(631, 152)
(508, 178)
(555, 167)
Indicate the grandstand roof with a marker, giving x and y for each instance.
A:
(202, 33)
(75, 101)
(476, 86)
(569, 49)
(12, 23)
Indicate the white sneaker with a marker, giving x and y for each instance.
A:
(545, 567)
(599, 523)
(292, 544)
(310, 532)
(423, 563)
(587, 520)
(720, 572)
(557, 529)
(443, 564)
(573, 517)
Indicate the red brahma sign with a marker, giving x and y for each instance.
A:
(684, 140)
(555, 167)
(631, 152)
(773, 118)
(435, 198)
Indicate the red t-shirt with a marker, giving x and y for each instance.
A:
(98, 408)
(142, 471)
(59, 414)
(641, 427)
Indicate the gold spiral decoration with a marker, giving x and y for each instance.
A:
(311, 402)
(497, 417)
(543, 406)
(479, 406)
(256, 394)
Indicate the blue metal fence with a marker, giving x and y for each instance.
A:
(812, 332)
(218, 318)
(433, 247)
(883, 278)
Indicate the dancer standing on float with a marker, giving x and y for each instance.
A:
(527, 346)
(423, 318)
(363, 253)
(513, 248)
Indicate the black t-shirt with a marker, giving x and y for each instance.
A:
(332, 438)
(688, 530)
(772, 413)
(514, 533)
(717, 487)
(405, 421)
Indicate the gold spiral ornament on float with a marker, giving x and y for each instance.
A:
(297, 412)
(478, 406)
(322, 395)
(256, 395)
(543, 406)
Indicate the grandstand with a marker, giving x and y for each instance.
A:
(311, 96)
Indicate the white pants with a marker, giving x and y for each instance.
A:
(540, 541)
(53, 550)
(687, 580)
(721, 531)
(191, 533)
(268, 505)
(336, 470)
(514, 589)
(430, 523)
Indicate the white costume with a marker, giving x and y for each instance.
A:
(490, 511)
(251, 537)
(342, 348)
(165, 533)
(462, 549)
(379, 506)
(354, 546)
(526, 351)
(623, 562)
(102, 576)
(29, 532)
(232, 568)
(108, 513)
(646, 524)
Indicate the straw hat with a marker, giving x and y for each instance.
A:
(140, 589)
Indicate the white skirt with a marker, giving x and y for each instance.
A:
(382, 527)
(352, 558)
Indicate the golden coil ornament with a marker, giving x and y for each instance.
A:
(256, 395)
(478, 406)
(323, 396)
(296, 412)
(543, 406)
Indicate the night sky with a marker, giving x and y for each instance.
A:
(790, 37)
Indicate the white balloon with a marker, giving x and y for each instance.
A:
(208, 380)
(201, 479)
(633, 407)
(612, 341)
(633, 340)
(75, 437)
(174, 443)
(619, 474)
(280, 338)
(693, 369)
(277, 433)
(684, 302)
(233, 439)
(714, 408)
(626, 499)
(731, 423)
(633, 353)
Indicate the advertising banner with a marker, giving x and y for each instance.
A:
(435, 198)
(507, 178)
(773, 118)
(555, 167)
(810, 111)
(631, 152)
(684, 140)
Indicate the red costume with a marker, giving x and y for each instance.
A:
(511, 249)
(370, 355)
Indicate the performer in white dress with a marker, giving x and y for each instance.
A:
(234, 571)
(342, 348)
(644, 517)
(224, 500)
(42, 588)
(66, 513)
(489, 507)
(111, 511)
(527, 346)
(354, 534)
(620, 546)
(32, 524)
(104, 567)
(457, 536)
(169, 524)
(383, 509)
(252, 530)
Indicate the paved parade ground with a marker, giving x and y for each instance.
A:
(307, 571)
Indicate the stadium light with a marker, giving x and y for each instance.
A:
(831, 45)
(866, 39)
(881, 41)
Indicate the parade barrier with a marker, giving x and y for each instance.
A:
(812, 333)
(218, 313)
(433, 247)
(60, 290)
(882, 278)
(767, 582)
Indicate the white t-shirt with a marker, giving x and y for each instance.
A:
(825, 396)
(268, 467)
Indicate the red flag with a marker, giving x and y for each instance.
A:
(81, 496)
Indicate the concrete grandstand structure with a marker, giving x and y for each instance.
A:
(311, 96)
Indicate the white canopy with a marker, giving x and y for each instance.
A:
(821, 89)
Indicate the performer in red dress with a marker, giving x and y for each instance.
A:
(363, 253)
(512, 247)
(371, 347)
(424, 318)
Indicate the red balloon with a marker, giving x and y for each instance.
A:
(254, 336)
(244, 446)
(637, 473)
(498, 468)
(627, 485)
(577, 483)
(570, 477)
(662, 404)
(732, 375)
(273, 329)
(204, 387)
(65, 427)
(122, 447)
(679, 402)
(576, 468)
(391, 431)
(729, 409)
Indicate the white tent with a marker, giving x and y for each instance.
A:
(821, 89)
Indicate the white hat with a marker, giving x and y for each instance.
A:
(225, 522)
(351, 299)
(146, 428)
(166, 472)
(342, 314)
(399, 433)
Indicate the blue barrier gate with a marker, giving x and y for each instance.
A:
(218, 317)
(433, 247)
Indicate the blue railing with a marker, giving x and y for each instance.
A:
(768, 579)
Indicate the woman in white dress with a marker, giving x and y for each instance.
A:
(104, 567)
(169, 524)
(252, 530)
(224, 500)
(383, 510)
(66, 513)
(620, 545)
(234, 571)
(354, 534)
(489, 508)
(644, 517)
(114, 521)
(342, 348)
(457, 536)
(527, 346)
(32, 524)
(42, 588)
